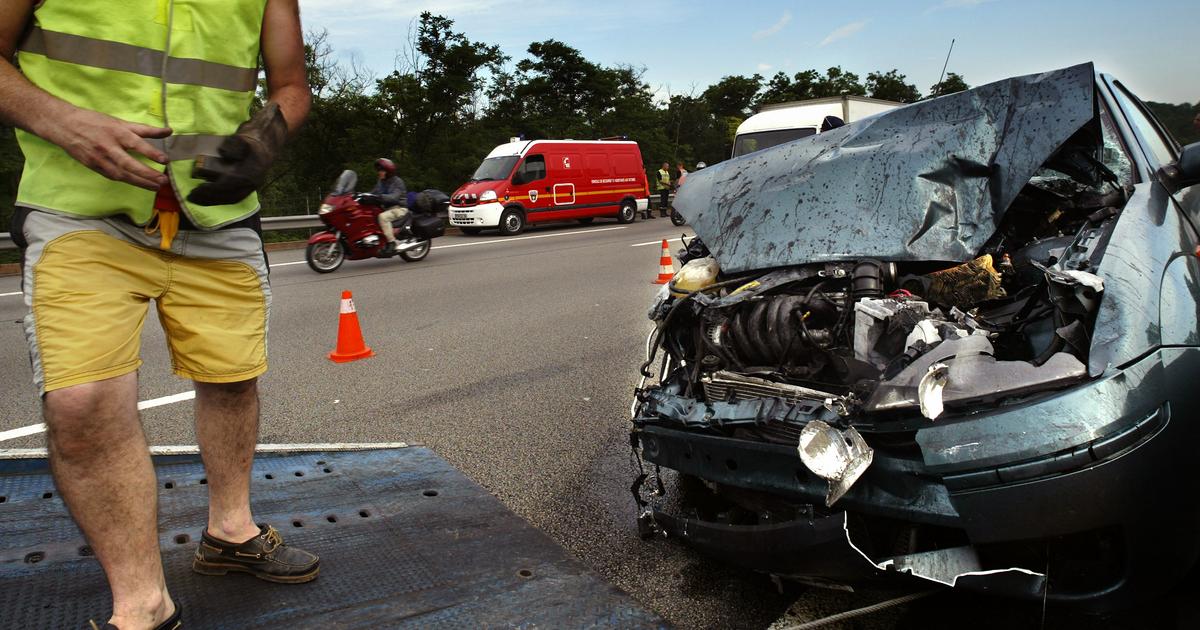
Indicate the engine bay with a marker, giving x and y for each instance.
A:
(866, 341)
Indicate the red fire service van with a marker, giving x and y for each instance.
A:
(534, 181)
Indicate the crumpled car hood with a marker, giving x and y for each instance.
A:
(928, 181)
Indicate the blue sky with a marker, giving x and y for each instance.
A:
(686, 46)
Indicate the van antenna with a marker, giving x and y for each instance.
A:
(945, 65)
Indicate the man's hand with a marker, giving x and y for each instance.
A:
(103, 144)
(243, 160)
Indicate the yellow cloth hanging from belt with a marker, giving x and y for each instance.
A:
(166, 216)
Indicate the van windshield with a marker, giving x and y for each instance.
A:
(495, 169)
(751, 142)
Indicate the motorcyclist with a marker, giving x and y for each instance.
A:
(393, 197)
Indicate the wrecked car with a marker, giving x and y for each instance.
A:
(954, 342)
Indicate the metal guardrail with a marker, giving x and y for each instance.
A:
(293, 222)
(296, 222)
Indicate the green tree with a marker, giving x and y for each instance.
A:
(1177, 119)
(811, 84)
(733, 96)
(891, 86)
(949, 85)
(562, 94)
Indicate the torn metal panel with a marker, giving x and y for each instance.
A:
(928, 181)
(973, 375)
(948, 566)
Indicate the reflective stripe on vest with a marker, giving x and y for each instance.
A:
(191, 65)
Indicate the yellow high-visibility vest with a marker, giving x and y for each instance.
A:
(190, 65)
(664, 180)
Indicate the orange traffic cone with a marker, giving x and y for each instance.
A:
(350, 344)
(666, 268)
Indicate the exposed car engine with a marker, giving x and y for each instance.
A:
(763, 355)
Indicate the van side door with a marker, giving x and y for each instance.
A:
(565, 172)
(527, 183)
(602, 196)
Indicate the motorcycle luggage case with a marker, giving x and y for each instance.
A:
(428, 226)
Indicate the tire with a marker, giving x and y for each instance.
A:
(471, 231)
(587, 221)
(512, 222)
(677, 218)
(628, 212)
(325, 256)
(417, 253)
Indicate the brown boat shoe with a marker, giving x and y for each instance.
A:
(265, 556)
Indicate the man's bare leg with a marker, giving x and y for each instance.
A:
(102, 469)
(227, 429)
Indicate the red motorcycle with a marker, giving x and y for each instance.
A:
(353, 230)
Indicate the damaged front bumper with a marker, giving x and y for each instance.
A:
(1090, 486)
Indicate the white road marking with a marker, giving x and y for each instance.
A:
(34, 429)
(166, 400)
(184, 449)
(658, 242)
(22, 432)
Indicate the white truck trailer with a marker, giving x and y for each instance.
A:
(784, 122)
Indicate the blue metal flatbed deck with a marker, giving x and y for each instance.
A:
(405, 541)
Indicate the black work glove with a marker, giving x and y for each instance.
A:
(243, 159)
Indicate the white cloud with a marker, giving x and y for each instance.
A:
(842, 32)
(776, 27)
(763, 67)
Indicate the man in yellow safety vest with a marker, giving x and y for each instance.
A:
(141, 162)
(663, 182)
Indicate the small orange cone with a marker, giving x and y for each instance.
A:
(666, 267)
(350, 344)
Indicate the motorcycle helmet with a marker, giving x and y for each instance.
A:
(700, 165)
(386, 165)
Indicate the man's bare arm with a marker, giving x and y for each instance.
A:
(100, 142)
(283, 55)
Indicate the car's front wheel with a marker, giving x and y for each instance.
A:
(512, 222)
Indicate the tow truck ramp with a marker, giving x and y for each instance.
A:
(405, 541)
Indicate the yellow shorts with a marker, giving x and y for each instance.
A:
(88, 284)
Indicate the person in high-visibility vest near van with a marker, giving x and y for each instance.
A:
(663, 183)
(141, 162)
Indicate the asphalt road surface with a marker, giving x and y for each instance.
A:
(514, 358)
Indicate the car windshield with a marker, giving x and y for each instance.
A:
(345, 183)
(494, 169)
(751, 142)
